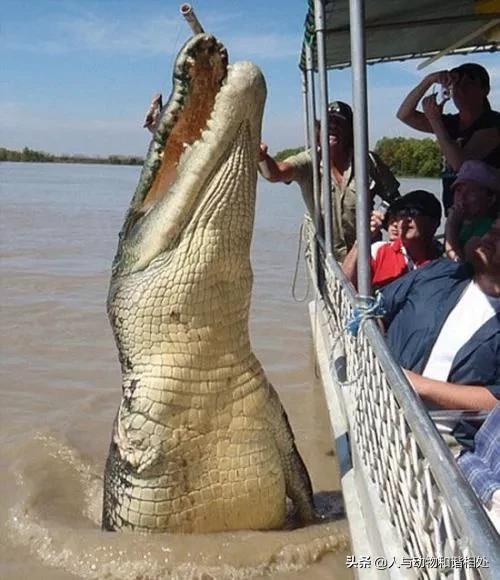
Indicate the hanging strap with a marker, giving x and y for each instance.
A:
(369, 307)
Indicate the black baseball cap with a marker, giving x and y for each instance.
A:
(419, 199)
(473, 71)
(340, 109)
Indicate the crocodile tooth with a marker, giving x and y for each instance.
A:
(208, 136)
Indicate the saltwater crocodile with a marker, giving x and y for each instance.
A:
(200, 442)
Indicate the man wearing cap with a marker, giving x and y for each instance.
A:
(442, 325)
(475, 207)
(418, 214)
(472, 133)
(299, 168)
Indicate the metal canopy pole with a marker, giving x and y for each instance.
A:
(319, 26)
(305, 110)
(363, 201)
(311, 129)
(313, 148)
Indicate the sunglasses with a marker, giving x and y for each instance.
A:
(335, 117)
(409, 212)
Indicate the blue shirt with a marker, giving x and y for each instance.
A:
(418, 304)
(481, 466)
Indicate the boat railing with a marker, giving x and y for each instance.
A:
(410, 474)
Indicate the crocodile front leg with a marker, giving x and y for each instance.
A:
(298, 484)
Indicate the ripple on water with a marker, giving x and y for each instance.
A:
(58, 519)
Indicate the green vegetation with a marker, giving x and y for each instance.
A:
(416, 157)
(32, 156)
(287, 153)
(405, 156)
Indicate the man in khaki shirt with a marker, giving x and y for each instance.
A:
(299, 168)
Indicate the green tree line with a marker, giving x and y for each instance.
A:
(33, 156)
(283, 154)
(405, 156)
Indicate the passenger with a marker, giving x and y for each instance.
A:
(380, 220)
(418, 216)
(443, 326)
(299, 168)
(472, 133)
(476, 203)
(481, 466)
(391, 223)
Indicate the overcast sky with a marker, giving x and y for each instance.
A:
(78, 75)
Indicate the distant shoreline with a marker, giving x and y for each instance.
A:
(405, 156)
(100, 162)
(86, 161)
(32, 156)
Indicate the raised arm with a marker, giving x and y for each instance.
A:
(274, 170)
(478, 146)
(408, 113)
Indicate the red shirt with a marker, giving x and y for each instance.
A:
(391, 262)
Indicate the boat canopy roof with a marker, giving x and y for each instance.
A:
(402, 29)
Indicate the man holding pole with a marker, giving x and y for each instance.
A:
(299, 168)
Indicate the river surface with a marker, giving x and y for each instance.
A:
(61, 387)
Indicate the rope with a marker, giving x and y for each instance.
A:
(176, 44)
(369, 308)
(294, 281)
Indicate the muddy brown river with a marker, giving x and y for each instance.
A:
(61, 386)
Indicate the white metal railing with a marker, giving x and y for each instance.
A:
(437, 518)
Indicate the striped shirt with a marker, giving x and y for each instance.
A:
(481, 466)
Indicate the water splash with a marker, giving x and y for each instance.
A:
(58, 519)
